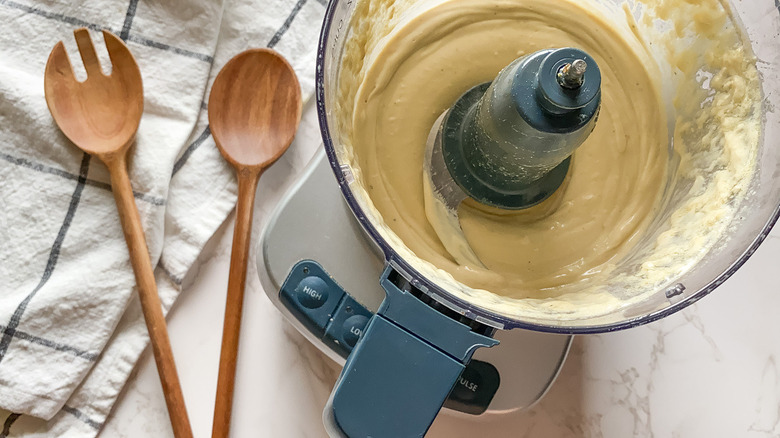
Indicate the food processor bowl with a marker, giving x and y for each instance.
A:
(685, 280)
(759, 23)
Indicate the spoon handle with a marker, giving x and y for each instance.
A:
(147, 290)
(247, 186)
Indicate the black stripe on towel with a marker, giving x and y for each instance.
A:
(51, 15)
(96, 27)
(190, 149)
(167, 48)
(54, 254)
(83, 417)
(128, 20)
(286, 25)
(18, 334)
(38, 167)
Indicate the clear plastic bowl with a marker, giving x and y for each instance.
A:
(755, 215)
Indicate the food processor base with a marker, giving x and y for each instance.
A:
(322, 272)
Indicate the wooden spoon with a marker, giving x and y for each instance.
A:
(254, 111)
(101, 116)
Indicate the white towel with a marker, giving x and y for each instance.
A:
(71, 328)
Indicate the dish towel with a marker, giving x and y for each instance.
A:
(71, 327)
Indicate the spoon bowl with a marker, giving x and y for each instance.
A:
(254, 108)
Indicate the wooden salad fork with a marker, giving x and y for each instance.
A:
(101, 116)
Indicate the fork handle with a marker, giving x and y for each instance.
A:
(147, 290)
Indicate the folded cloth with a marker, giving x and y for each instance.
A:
(71, 328)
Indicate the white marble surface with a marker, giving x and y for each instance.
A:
(709, 371)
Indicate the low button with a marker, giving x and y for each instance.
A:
(353, 328)
(312, 292)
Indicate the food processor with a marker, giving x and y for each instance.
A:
(410, 336)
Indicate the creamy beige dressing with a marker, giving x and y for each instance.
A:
(616, 175)
(406, 62)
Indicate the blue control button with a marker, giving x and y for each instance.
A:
(312, 292)
(353, 328)
(347, 325)
(311, 295)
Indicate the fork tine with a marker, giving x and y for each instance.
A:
(87, 51)
(60, 63)
(117, 50)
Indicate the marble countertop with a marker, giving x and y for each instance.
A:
(708, 371)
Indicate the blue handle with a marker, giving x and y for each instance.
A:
(403, 368)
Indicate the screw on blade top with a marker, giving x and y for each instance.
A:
(572, 75)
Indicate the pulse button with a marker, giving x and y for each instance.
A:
(353, 328)
(312, 292)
